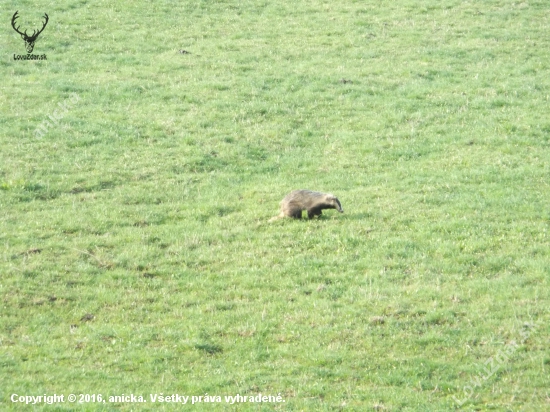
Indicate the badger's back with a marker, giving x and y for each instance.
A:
(303, 198)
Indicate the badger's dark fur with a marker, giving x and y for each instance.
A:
(314, 202)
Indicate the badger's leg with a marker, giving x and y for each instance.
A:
(298, 214)
(311, 213)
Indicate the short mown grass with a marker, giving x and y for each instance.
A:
(136, 253)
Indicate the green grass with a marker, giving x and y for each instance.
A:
(136, 253)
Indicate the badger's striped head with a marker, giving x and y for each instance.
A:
(333, 200)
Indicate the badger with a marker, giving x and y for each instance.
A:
(314, 202)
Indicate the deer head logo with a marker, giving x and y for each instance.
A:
(29, 40)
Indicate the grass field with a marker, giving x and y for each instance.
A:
(136, 253)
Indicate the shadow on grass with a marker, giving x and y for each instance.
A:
(209, 348)
(356, 216)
